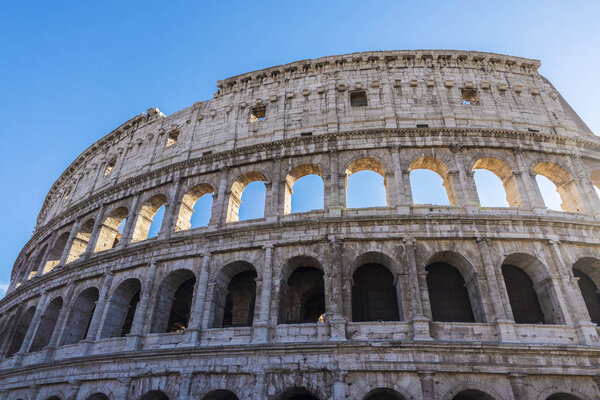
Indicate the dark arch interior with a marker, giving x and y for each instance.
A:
(303, 296)
(47, 325)
(220, 395)
(182, 306)
(121, 309)
(53, 398)
(563, 396)
(154, 395)
(448, 295)
(472, 395)
(374, 295)
(239, 303)
(384, 394)
(589, 290)
(98, 396)
(522, 296)
(20, 332)
(81, 316)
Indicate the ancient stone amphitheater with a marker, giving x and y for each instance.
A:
(403, 301)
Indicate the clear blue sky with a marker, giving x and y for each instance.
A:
(70, 72)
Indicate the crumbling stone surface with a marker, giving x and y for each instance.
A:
(98, 310)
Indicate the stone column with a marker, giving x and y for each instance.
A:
(73, 389)
(339, 385)
(98, 222)
(337, 322)
(420, 324)
(130, 223)
(171, 212)
(220, 200)
(33, 326)
(99, 310)
(59, 328)
(259, 383)
(517, 386)
(261, 327)
(532, 191)
(467, 188)
(505, 327)
(141, 313)
(272, 200)
(584, 184)
(123, 388)
(427, 388)
(335, 203)
(51, 243)
(197, 312)
(185, 386)
(65, 254)
(403, 203)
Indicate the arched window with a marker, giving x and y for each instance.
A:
(37, 262)
(496, 182)
(565, 186)
(374, 296)
(20, 332)
(149, 218)
(522, 296)
(595, 177)
(366, 184)
(47, 325)
(563, 396)
(81, 240)
(154, 395)
(589, 290)
(174, 302)
(303, 293)
(448, 295)
(235, 295)
(472, 395)
(98, 396)
(384, 394)
(196, 206)
(255, 203)
(121, 309)
(220, 395)
(111, 230)
(298, 393)
(423, 185)
(308, 180)
(56, 252)
(80, 318)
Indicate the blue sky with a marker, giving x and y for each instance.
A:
(70, 72)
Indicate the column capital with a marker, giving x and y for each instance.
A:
(409, 240)
(485, 239)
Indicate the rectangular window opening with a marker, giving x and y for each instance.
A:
(306, 134)
(422, 125)
(469, 97)
(172, 139)
(109, 167)
(358, 98)
(259, 113)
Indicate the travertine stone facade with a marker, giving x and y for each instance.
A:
(95, 311)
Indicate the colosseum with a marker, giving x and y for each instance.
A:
(402, 301)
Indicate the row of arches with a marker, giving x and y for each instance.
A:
(196, 207)
(378, 293)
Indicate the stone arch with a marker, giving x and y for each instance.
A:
(504, 172)
(384, 394)
(587, 272)
(454, 292)
(302, 291)
(472, 394)
(121, 308)
(565, 185)
(472, 390)
(20, 331)
(296, 173)
(184, 218)
(36, 263)
(109, 236)
(154, 395)
(47, 324)
(237, 188)
(80, 316)
(234, 296)
(439, 167)
(528, 282)
(56, 252)
(297, 393)
(595, 178)
(368, 164)
(563, 396)
(145, 216)
(98, 396)
(174, 302)
(220, 394)
(563, 392)
(81, 240)
(376, 292)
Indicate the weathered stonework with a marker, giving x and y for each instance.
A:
(73, 283)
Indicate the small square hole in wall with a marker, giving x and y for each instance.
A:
(258, 113)
(422, 125)
(358, 98)
(469, 97)
(110, 166)
(172, 139)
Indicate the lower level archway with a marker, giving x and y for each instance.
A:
(220, 395)
(472, 395)
(298, 393)
(563, 396)
(154, 395)
(384, 394)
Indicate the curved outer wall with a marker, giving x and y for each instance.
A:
(517, 126)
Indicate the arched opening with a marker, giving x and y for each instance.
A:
(220, 395)
(111, 231)
(374, 292)
(196, 207)
(384, 394)
(81, 240)
(235, 295)
(587, 270)
(154, 395)
(495, 182)
(595, 178)
(304, 189)
(56, 252)
(80, 317)
(366, 184)
(302, 294)
(565, 186)
(174, 302)
(98, 396)
(563, 396)
(47, 325)
(254, 197)
(448, 296)
(53, 398)
(523, 298)
(37, 262)
(423, 184)
(298, 393)
(472, 395)
(149, 218)
(121, 309)
(20, 332)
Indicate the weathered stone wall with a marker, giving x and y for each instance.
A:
(518, 127)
